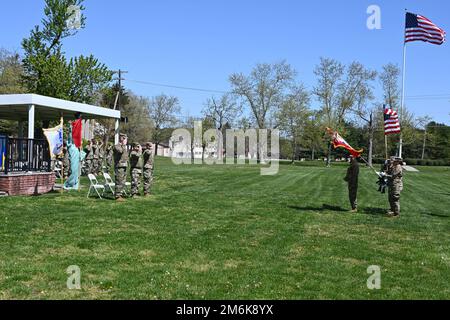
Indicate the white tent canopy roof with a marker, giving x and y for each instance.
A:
(16, 107)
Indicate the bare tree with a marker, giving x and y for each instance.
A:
(364, 95)
(423, 122)
(162, 111)
(263, 90)
(337, 90)
(389, 80)
(222, 111)
(292, 116)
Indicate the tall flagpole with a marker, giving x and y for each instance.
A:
(402, 105)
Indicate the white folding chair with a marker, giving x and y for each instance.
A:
(109, 183)
(95, 185)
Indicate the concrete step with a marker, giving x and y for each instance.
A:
(3, 194)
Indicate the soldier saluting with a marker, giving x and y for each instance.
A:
(120, 166)
(135, 169)
(148, 168)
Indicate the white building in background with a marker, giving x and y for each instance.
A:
(163, 150)
(178, 149)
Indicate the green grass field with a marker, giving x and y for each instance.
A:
(226, 232)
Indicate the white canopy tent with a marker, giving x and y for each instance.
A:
(32, 107)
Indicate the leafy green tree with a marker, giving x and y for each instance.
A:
(264, 91)
(338, 88)
(10, 82)
(292, 117)
(46, 69)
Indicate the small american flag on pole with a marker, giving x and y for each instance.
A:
(419, 28)
(391, 122)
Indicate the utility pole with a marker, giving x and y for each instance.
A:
(117, 104)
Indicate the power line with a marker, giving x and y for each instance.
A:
(155, 84)
(177, 87)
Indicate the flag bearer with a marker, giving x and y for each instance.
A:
(395, 185)
(352, 179)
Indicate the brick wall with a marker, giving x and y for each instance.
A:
(27, 184)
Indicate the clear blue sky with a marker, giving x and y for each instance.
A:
(200, 43)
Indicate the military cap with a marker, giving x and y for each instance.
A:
(123, 136)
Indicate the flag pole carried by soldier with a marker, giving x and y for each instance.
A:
(120, 166)
(148, 168)
(135, 169)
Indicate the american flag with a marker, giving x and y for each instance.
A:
(391, 122)
(419, 28)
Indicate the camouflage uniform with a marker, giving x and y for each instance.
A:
(109, 158)
(66, 163)
(120, 165)
(352, 180)
(395, 184)
(148, 170)
(135, 169)
(101, 156)
(95, 165)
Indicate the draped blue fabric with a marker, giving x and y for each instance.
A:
(73, 182)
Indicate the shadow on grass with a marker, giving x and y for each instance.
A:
(374, 211)
(436, 215)
(325, 207)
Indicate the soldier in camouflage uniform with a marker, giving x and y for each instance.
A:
(135, 169)
(120, 166)
(89, 158)
(109, 158)
(101, 157)
(352, 179)
(148, 168)
(95, 164)
(66, 162)
(395, 185)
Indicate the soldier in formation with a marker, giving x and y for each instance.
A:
(135, 169)
(148, 168)
(120, 166)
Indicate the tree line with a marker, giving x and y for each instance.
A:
(269, 97)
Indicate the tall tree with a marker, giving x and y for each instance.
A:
(139, 127)
(364, 95)
(46, 69)
(163, 111)
(292, 116)
(263, 90)
(389, 78)
(337, 90)
(10, 82)
(389, 81)
(222, 111)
